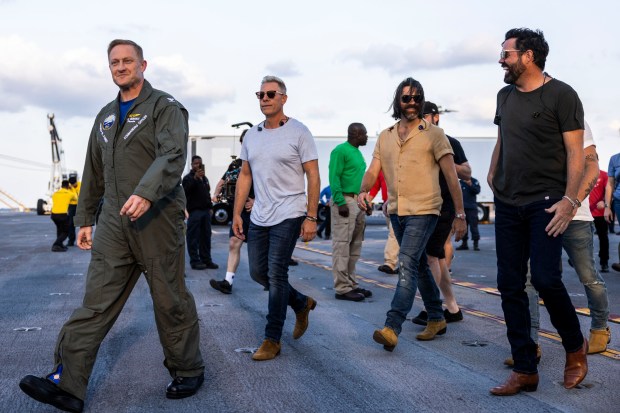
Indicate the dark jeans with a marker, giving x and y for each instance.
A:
(199, 236)
(412, 233)
(71, 212)
(62, 228)
(471, 216)
(602, 228)
(269, 252)
(520, 237)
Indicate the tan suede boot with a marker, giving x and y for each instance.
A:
(599, 340)
(433, 328)
(301, 323)
(387, 337)
(267, 351)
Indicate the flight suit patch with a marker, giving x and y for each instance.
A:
(138, 123)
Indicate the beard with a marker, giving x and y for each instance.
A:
(513, 72)
(411, 114)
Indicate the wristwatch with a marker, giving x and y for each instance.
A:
(460, 216)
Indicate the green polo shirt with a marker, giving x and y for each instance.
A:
(346, 170)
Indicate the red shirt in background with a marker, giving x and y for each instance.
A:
(380, 184)
(598, 194)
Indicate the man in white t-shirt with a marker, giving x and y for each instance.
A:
(277, 154)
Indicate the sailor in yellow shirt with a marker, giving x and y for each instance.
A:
(60, 207)
(74, 185)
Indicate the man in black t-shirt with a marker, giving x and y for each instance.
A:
(435, 251)
(535, 173)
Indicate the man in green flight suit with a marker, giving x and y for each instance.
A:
(135, 159)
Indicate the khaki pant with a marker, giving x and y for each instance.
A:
(121, 252)
(347, 237)
(390, 252)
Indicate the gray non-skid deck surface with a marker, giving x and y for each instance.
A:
(334, 367)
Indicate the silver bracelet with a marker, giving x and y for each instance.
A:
(573, 203)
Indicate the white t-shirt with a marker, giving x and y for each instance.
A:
(583, 212)
(275, 157)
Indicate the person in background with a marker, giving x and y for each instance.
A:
(61, 202)
(324, 198)
(346, 170)
(612, 198)
(74, 185)
(234, 243)
(199, 208)
(470, 188)
(598, 207)
(435, 247)
(390, 252)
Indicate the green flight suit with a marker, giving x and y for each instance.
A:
(144, 155)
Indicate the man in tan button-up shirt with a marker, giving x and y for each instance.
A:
(411, 153)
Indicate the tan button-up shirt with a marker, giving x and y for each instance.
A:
(411, 168)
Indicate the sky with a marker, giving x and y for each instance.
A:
(341, 61)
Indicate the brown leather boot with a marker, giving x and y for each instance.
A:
(301, 324)
(433, 328)
(510, 362)
(598, 340)
(267, 351)
(576, 366)
(387, 337)
(515, 383)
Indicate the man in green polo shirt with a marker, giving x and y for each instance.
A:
(346, 170)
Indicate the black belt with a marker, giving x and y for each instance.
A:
(351, 194)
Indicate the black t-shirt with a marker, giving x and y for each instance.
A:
(532, 159)
(459, 158)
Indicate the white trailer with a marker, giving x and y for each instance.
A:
(217, 152)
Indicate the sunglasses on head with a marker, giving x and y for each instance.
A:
(270, 94)
(408, 98)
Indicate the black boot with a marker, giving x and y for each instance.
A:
(476, 245)
(463, 246)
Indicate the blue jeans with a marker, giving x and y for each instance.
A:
(412, 233)
(520, 237)
(578, 244)
(269, 252)
(616, 205)
(199, 236)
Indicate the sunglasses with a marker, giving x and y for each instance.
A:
(270, 94)
(408, 98)
(504, 53)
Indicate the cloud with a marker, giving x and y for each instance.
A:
(36, 77)
(283, 68)
(77, 82)
(398, 60)
(187, 83)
